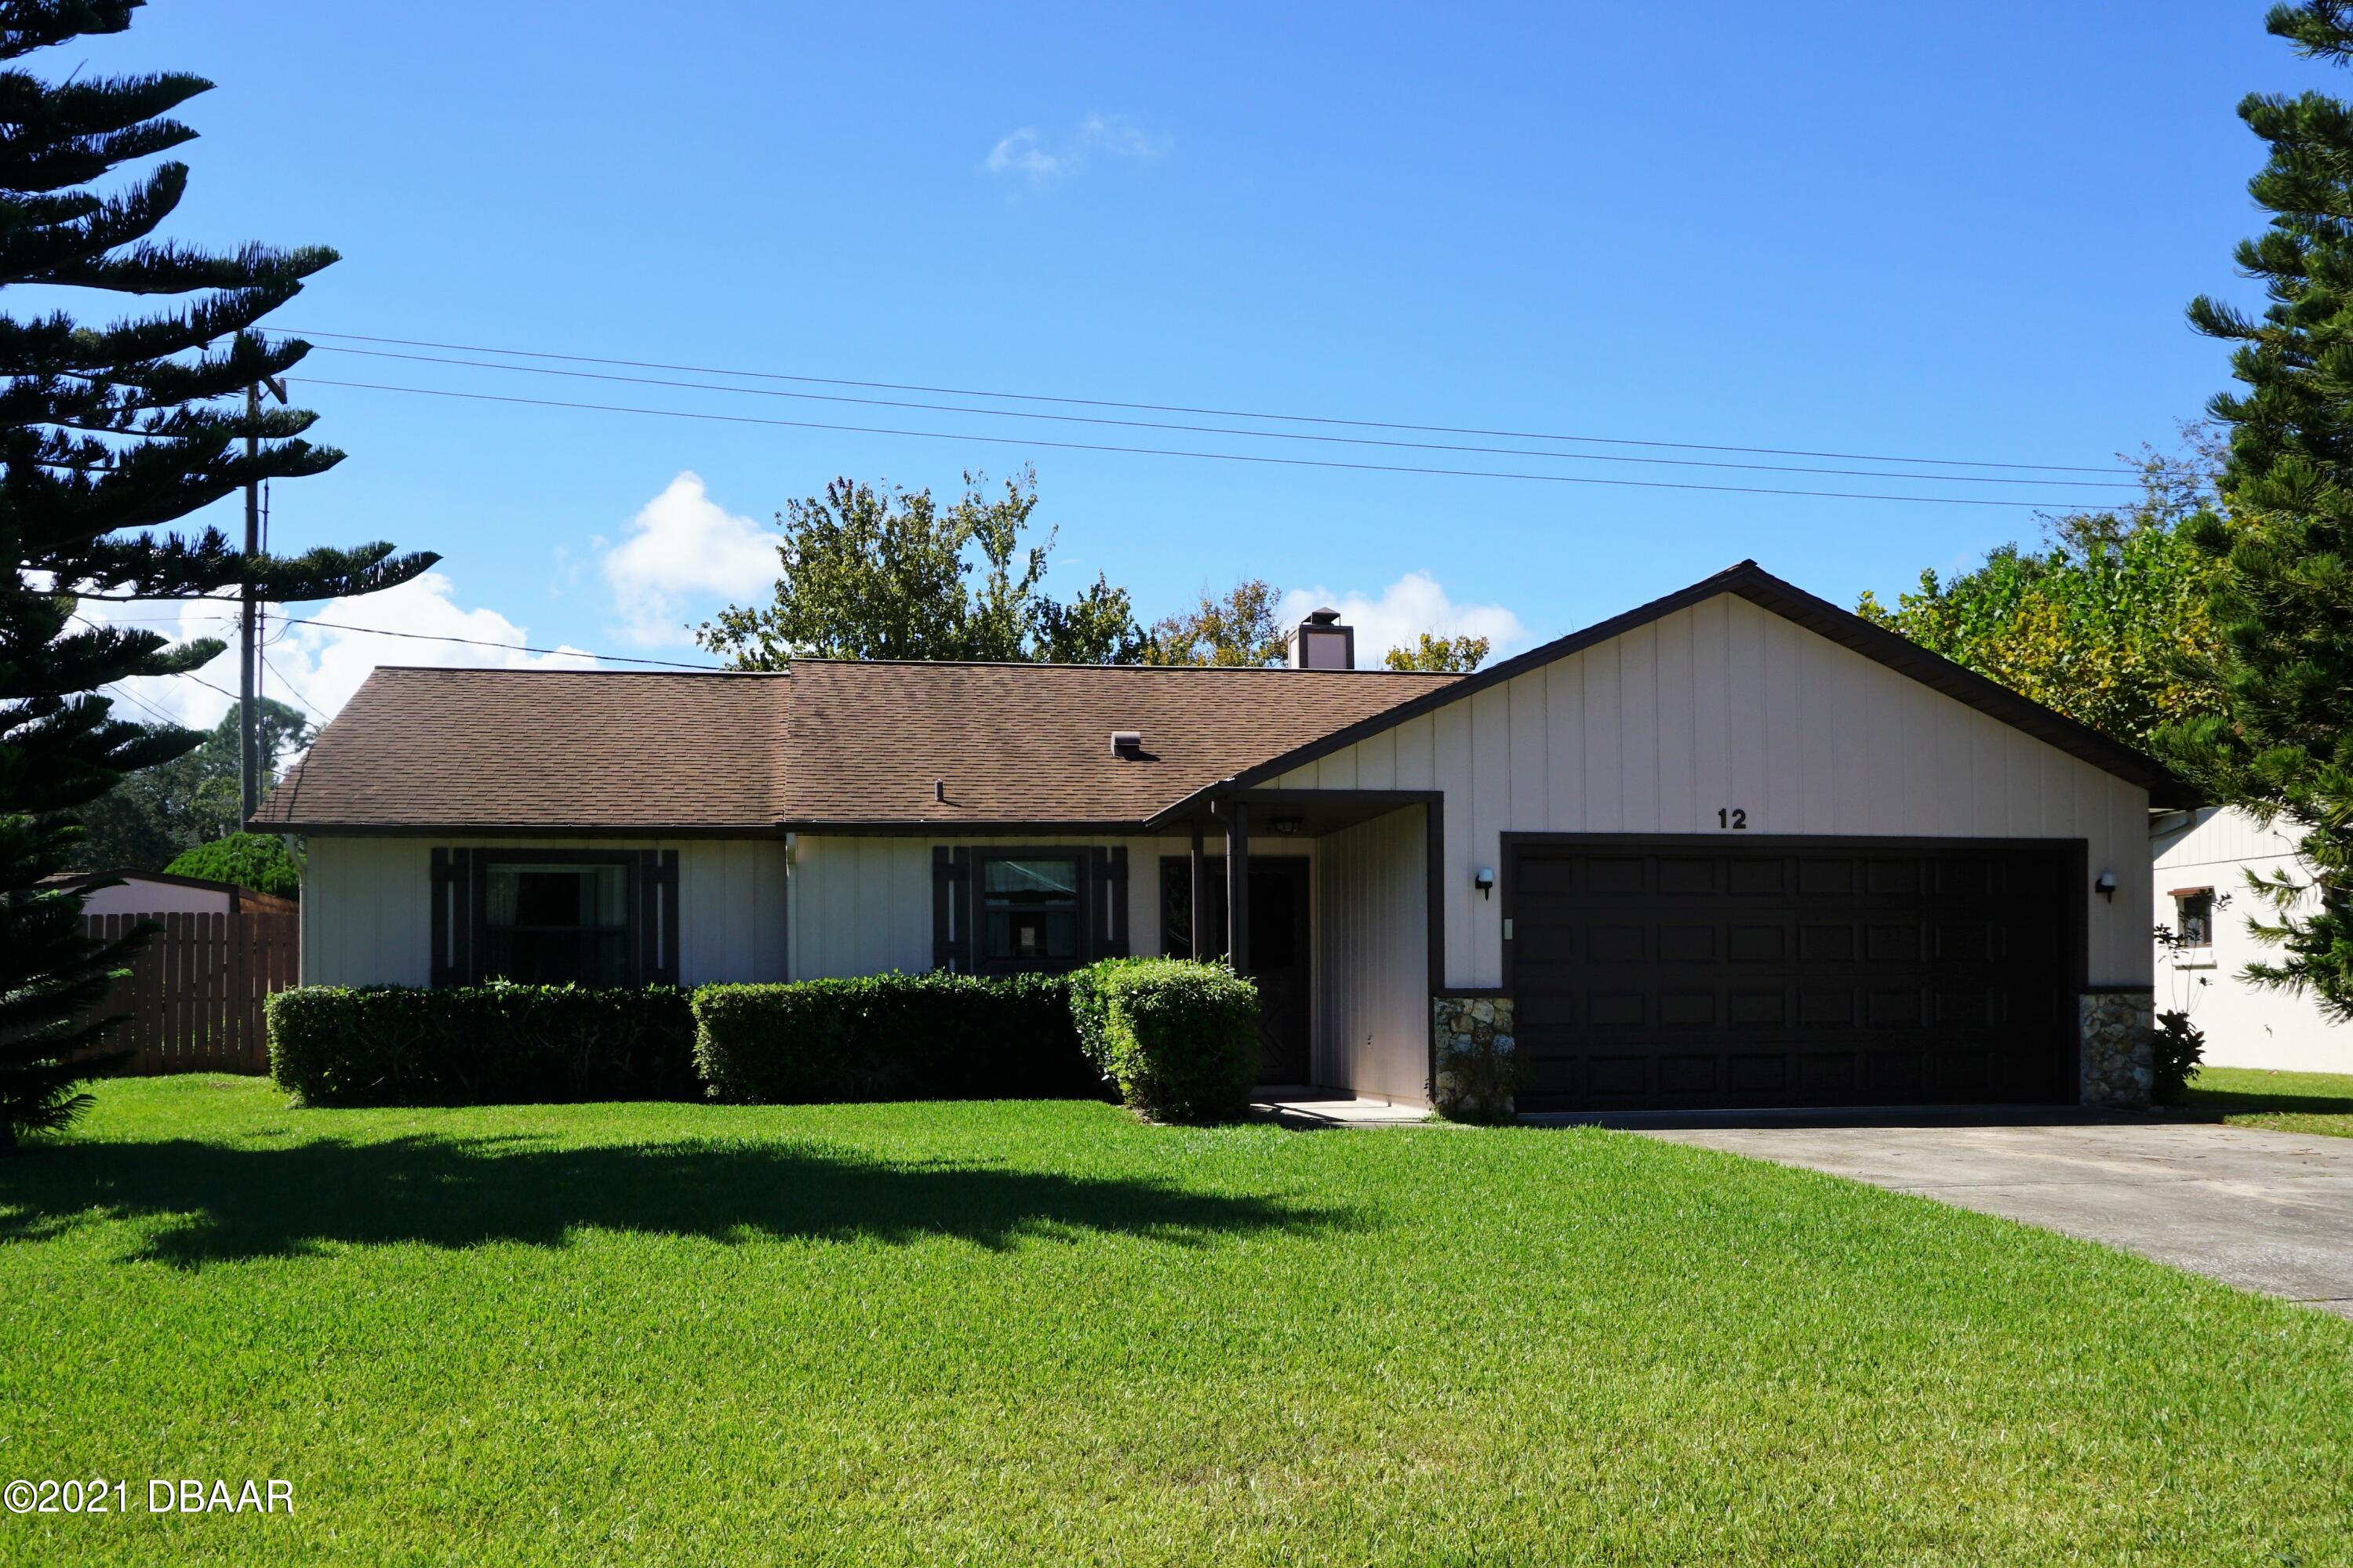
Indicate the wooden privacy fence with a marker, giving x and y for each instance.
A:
(194, 994)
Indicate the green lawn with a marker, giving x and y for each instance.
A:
(2291, 1102)
(1039, 1332)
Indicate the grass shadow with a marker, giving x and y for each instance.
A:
(2236, 1102)
(229, 1202)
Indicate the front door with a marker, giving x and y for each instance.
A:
(1279, 943)
(1278, 962)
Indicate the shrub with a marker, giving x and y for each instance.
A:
(492, 1045)
(258, 861)
(1178, 1038)
(932, 1036)
(2176, 1051)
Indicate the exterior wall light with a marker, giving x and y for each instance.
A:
(2105, 886)
(1485, 881)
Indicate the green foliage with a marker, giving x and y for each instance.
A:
(2282, 602)
(1446, 655)
(887, 574)
(2104, 623)
(2176, 1050)
(492, 1045)
(258, 861)
(1238, 629)
(159, 813)
(108, 437)
(890, 1037)
(1179, 1037)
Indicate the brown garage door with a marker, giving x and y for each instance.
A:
(1656, 975)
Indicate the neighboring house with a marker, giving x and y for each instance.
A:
(164, 892)
(2199, 889)
(1738, 847)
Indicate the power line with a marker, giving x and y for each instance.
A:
(128, 695)
(1178, 452)
(485, 642)
(1184, 408)
(1228, 430)
(293, 691)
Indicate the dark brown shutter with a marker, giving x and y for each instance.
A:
(951, 908)
(657, 916)
(453, 917)
(1115, 892)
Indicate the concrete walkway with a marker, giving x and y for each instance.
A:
(1304, 1107)
(2266, 1210)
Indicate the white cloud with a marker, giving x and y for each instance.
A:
(1024, 152)
(1028, 153)
(317, 668)
(1413, 604)
(1121, 137)
(681, 551)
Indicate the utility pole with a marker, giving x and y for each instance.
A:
(248, 728)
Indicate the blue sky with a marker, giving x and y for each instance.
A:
(1950, 232)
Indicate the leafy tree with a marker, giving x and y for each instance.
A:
(1238, 629)
(109, 436)
(1096, 628)
(2103, 622)
(158, 813)
(258, 861)
(1454, 655)
(888, 573)
(2282, 602)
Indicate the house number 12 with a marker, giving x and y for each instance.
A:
(1732, 817)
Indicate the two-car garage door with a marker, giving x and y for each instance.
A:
(1680, 973)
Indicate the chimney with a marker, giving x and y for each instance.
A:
(1323, 643)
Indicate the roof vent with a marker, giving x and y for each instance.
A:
(1323, 643)
(1128, 743)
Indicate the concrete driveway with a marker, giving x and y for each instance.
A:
(2265, 1211)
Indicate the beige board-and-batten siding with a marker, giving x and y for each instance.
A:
(367, 906)
(862, 905)
(1371, 966)
(851, 905)
(1724, 706)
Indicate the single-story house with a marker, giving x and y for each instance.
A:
(2200, 860)
(1736, 847)
(165, 893)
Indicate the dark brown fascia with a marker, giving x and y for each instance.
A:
(528, 829)
(1762, 588)
(878, 827)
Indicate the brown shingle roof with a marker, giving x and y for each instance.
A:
(836, 743)
(1031, 742)
(543, 750)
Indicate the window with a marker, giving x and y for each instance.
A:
(585, 917)
(554, 923)
(2193, 916)
(1031, 914)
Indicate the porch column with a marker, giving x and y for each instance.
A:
(1237, 816)
(1200, 885)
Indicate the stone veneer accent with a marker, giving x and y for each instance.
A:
(2119, 1067)
(1476, 1065)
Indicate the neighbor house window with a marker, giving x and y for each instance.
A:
(2193, 912)
(1029, 912)
(552, 923)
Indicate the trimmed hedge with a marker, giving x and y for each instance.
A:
(492, 1045)
(936, 1036)
(1178, 1038)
